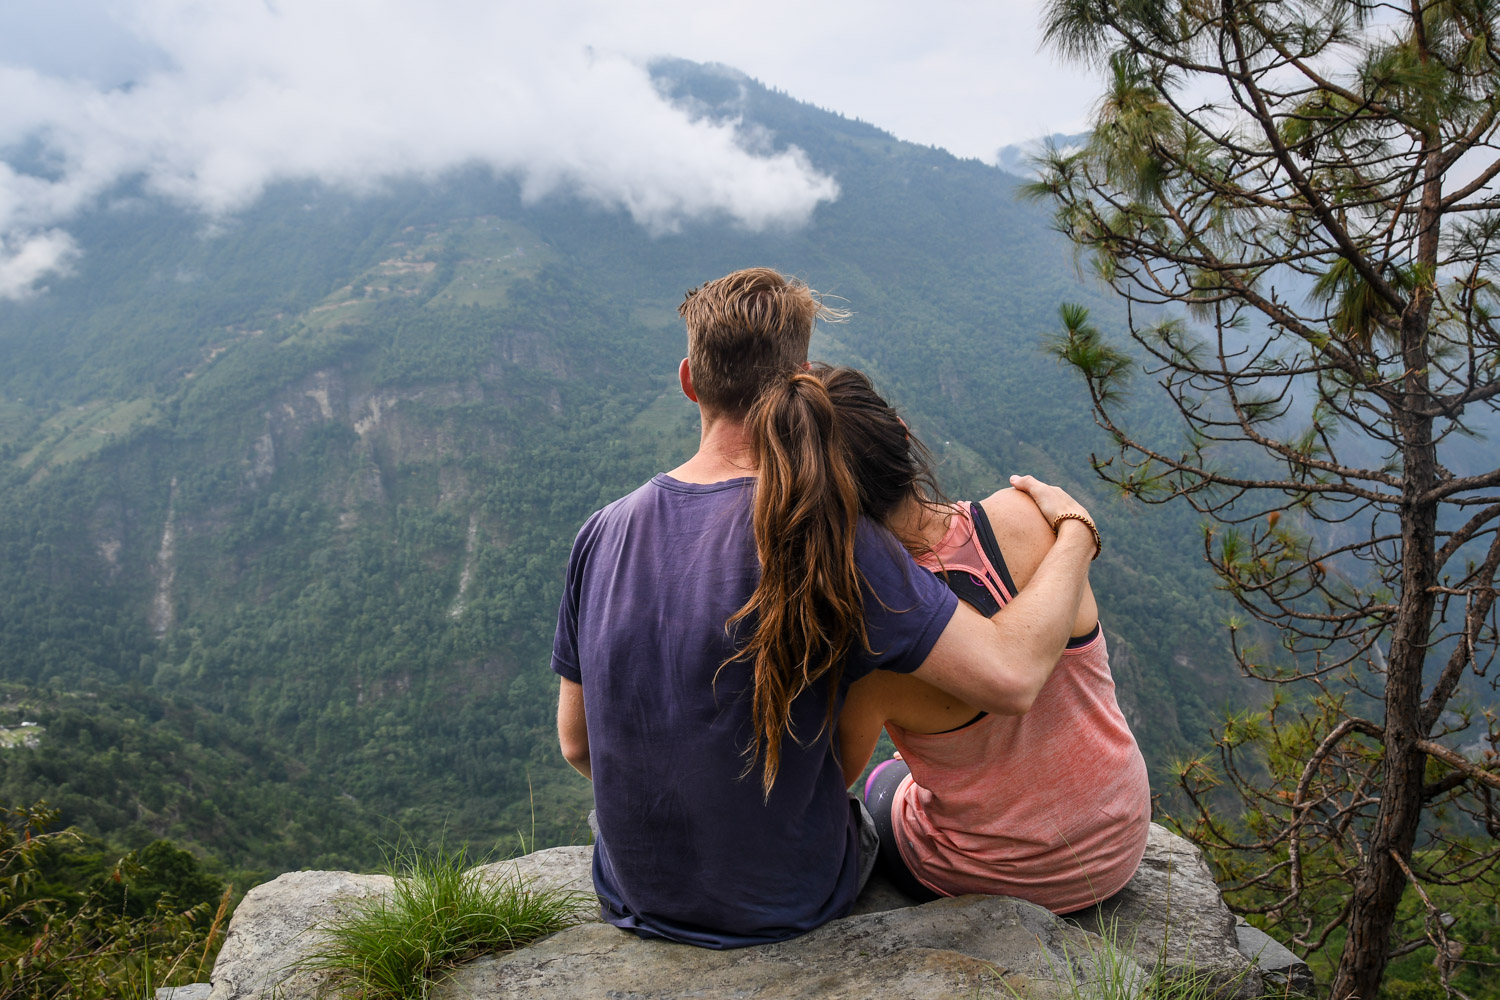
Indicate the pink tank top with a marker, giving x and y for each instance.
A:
(1052, 806)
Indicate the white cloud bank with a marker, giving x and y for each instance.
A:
(227, 96)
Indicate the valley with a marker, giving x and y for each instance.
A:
(294, 497)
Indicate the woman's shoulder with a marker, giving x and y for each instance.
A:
(1023, 534)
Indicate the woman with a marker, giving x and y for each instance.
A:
(1052, 806)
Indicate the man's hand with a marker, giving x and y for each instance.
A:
(1000, 664)
(1058, 507)
(1052, 501)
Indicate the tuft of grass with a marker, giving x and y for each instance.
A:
(1118, 976)
(440, 913)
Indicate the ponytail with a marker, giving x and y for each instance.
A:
(808, 609)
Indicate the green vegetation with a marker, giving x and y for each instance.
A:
(439, 913)
(1312, 273)
(1113, 973)
(373, 469)
(134, 767)
(75, 926)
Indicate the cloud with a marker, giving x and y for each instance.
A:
(229, 96)
(27, 259)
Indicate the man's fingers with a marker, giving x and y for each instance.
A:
(1051, 500)
(1035, 488)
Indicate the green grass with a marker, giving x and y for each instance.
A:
(17, 736)
(493, 254)
(1117, 975)
(80, 431)
(16, 420)
(439, 913)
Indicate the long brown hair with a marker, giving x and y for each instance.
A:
(826, 448)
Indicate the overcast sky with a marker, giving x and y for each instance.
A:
(210, 100)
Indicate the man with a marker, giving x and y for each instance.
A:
(655, 710)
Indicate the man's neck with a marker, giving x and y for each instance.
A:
(723, 453)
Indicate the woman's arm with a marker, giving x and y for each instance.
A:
(883, 697)
(860, 722)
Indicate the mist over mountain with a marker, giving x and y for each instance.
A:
(287, 494)
(1017, 157)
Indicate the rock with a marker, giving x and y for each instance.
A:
(1171, 916)
(972, 945)
(952, 947)
(194, 991)
(554, 868)
(1281, 969)
(880, 893)
(274, 931)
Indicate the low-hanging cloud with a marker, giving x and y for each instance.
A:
(28, 259)
(229, 96)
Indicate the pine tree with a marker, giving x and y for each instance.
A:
(1297, 200)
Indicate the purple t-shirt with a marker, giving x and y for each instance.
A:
(687, 848)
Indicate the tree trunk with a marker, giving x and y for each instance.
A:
(1382, 882)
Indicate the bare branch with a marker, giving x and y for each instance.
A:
(1458, 763)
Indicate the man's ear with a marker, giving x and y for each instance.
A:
(685, 377)
(807, 366)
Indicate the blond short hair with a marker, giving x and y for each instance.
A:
(745, 328)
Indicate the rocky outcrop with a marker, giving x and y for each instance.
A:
(197, 991)
(163, 613)
(1170, 916)
(952, 947)
(1281, 970)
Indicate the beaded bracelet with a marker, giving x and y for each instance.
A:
(1098, 542)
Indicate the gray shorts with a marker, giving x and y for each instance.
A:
(869, 840)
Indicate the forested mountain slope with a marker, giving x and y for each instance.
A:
(313, 473)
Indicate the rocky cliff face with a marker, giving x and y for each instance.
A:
(1170, 919)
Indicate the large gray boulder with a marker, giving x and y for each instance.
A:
(952, 947)
(275, 929)
(273, 932)
(1170, 916)
(196, 991)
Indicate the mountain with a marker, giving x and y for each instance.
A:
(1016, 158)
(311, 475)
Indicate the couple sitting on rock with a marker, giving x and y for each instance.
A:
(734, 634)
